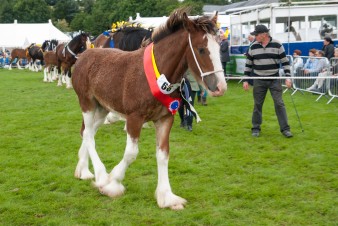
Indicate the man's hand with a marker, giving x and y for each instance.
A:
(288, 83)
(246, 86)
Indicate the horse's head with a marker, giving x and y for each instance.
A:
(45, 45)
(203, 53)
(84, 38)
(53, 44)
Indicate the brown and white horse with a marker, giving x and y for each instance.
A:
(51, 63)
(111, 79)
(18, 54)
(67, 54)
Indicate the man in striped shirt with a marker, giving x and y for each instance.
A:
(264, 58)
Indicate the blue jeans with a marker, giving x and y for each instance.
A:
(260, 89)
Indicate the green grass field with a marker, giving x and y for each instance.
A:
(227, 176)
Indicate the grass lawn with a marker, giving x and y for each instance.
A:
(227, 176)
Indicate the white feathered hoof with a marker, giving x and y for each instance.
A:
(167, 199)
(83, 174)
(114, 189)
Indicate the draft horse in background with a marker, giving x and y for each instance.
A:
(50, 60)
(67, 55)
(125, 38)
(36, 53)
(18, 54)
(111, 79)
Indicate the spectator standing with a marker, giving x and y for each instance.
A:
(264, 58)
(328, 47)
(224, 52)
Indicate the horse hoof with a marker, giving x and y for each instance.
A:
(177, 207)
(113, 189)
(84, 175)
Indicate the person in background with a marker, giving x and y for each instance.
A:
(297, 60)
(264, 58)
(328, 48)
(185, 115)
(310, 64)
(322, 63)
(224, 52)
(318, 84)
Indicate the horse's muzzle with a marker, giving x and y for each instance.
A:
(216, 84)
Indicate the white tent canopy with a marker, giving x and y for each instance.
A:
(19, 35)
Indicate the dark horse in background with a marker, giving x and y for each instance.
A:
(111, 79)
(36, 53)
(67, 54)
(49, 45)
(125, 38)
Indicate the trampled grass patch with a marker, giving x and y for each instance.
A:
(227, 176)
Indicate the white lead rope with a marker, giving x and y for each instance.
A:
(71, 52)
(199, 68)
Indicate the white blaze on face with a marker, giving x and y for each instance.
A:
(215, 57)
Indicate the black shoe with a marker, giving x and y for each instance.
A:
(255, 133)
(287, 134)
(189, 128)
(183, 124)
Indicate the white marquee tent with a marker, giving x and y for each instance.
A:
(21, 35)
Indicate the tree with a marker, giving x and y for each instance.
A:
(7, 12)
(63, 25)
(51, 2)
(31, 11)
(65, 9)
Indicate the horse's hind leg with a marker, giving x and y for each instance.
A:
(92, 120)
(115, 187)
(165, 197)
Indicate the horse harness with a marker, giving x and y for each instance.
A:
(69, 50)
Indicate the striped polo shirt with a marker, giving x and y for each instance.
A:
(266, 61)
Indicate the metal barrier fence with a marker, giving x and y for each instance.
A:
(321, 80)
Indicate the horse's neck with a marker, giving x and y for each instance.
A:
(75, 46)
(170, 56)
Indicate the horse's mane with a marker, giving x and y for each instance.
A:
(128, 30)
(175, 22)
(78, 37)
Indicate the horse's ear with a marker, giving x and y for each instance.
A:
(214, 18)
(187, 23)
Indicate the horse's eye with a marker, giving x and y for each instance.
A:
(201, 50)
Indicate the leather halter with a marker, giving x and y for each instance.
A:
(198, 66)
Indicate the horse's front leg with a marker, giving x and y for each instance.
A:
(60, 75)
(115, 187)
(165, 197)
(45, 74)
(68, 78)
(82, 171)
